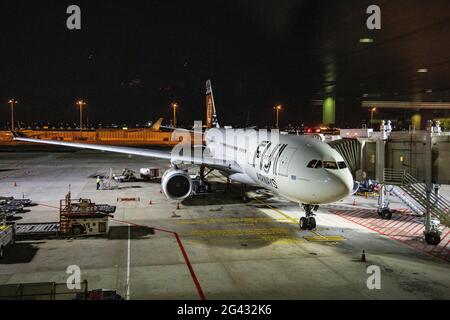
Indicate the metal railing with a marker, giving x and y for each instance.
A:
(439, 206)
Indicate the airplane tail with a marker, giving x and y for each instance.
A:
(155, 126)
(211, 116)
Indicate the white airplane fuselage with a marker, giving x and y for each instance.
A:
(281, 164)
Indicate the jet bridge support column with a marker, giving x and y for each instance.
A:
(428, 181)
(380, 159)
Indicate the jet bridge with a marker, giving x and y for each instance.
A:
(350, 150)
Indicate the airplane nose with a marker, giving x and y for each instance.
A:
(342, 183)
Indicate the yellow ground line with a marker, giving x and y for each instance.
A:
(323, 238)
(276, 210)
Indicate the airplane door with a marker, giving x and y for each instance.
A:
(284, 160)
(256, 157)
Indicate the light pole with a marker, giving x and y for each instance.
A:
(81, 103)
(174, 106)
(372, 110)
(12, 102)
(277, 109)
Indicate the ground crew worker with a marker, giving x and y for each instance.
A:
(98, 182)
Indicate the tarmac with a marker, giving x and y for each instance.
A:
(215, 246)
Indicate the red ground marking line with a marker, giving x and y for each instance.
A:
(183, 251)
(443, 248)
(448, 232)
(403, 233)
(385, 223)
(368, 221)
(448, 253)
(413, 246)
(406, 221)
(353, 212)
(352, 219)
(395, 222)
(363, 217)
(358, 215)
(419, 229)
(180, 244)
(46, 205)
(373, 220)
(407, 230)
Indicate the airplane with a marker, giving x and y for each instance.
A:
(301, 169)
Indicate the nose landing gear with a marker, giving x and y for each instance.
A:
(308, 222)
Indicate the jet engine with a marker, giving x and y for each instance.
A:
(176, 184)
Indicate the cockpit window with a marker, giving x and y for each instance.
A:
(312, 163)
(342, 165)
(330, 165)
(318, 164)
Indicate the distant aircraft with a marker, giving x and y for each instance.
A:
(299, 168)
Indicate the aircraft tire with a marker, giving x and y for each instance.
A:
(311, 223)
(303, 223)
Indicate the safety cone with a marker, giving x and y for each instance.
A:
(178, 206)
(363, 257)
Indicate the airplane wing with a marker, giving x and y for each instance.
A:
(206, 160)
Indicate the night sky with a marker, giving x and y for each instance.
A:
(132, 58)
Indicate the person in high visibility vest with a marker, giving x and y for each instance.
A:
(98, 182)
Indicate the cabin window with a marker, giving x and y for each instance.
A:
(318, 164)
(342, 165)
(330, 165)
(312, 163)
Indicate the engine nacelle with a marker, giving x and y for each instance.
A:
(176, 184)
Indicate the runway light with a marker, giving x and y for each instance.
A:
(422, 70)
(366, 40)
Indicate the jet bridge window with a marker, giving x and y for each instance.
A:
(342, 165)
(330, 165)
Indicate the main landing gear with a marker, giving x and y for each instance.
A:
(308, 222)
(200, 184)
